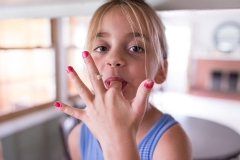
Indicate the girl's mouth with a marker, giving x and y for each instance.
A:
(108, 81)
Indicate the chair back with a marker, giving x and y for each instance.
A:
(66, 126)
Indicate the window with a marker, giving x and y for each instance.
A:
(75, 33)
(27, 64)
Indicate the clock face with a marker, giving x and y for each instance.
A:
(227, 37)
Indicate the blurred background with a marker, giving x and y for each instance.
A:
(39, 38)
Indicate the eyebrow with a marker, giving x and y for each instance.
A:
(102, 34)
(137, 34)
(131, 34)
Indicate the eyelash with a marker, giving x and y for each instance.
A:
(140, 49)
(96, 49)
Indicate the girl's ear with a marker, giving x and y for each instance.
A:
(162, 73)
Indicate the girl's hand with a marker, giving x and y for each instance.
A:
(110, 117)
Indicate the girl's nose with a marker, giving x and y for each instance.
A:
(115, 60)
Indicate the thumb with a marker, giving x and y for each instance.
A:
(140, 101)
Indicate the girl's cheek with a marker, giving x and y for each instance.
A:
(95, 58)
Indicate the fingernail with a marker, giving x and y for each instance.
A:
(57, 104)
(85, 54)
(149, 84)
(69, 69)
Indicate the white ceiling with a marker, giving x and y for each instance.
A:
(157, 4)
(56, 8)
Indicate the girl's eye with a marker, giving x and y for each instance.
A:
(101, 49)
(136, 49)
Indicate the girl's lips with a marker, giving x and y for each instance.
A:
(110, 79)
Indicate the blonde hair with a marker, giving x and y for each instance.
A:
(150, 20)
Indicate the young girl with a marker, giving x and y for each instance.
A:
(127, 55)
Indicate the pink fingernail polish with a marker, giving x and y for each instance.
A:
(57, 104)
(85, 54)
(149, 84)
(69, 69)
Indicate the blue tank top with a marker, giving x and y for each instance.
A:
(90, 148)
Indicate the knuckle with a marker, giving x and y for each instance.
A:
(113, 91)
(69, 111)
(144, 92)
(74, 77)
(72, 113)
(81, 91)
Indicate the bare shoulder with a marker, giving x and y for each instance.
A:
(173, 145)
(73, 143)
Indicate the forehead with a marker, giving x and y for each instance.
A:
(123, 17)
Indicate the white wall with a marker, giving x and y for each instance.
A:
(204, 24)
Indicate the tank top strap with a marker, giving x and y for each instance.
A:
(148, 143)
